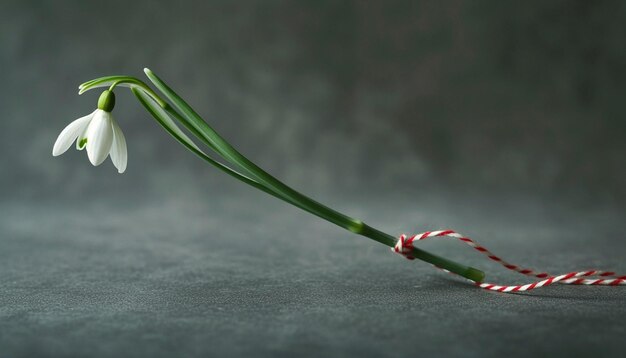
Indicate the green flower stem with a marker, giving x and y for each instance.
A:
(254, 175)
(438, 261)
(158, 115)
(230, 171)
(208, 135)
(232, 155)
(114, 81)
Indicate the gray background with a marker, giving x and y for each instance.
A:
(503, 121)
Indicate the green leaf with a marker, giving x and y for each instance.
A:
(205, 131)
(260, 179)
(170, 126)
(229, 153)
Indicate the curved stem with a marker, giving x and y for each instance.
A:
(210, 136)
(114, 81)
(159, 114)
(114, 84)
(197, 152)
(231, 154)
(357, 226)
(258, 185)
(256, 176)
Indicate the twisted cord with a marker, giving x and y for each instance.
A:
(404, 247)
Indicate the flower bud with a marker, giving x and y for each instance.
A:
(106, 102)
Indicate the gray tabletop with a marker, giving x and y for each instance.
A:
(244, 275)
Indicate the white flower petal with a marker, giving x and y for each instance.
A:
(99, 137)
(119, 154)
(69, 134)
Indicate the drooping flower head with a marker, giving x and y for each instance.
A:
(99, 133)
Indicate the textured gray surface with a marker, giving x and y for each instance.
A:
(112, 278)
(485, 117)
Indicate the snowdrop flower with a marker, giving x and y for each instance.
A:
(99, 133)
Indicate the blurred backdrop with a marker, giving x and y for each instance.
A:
(353, 97)
(503, 120)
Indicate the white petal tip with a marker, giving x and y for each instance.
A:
(95, 160)
(119, 153)
(69, 134)
(120, 170)
(94, 163)
(56, 150)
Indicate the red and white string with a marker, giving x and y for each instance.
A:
(404, 247)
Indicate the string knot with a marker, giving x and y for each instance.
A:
(404, 246)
